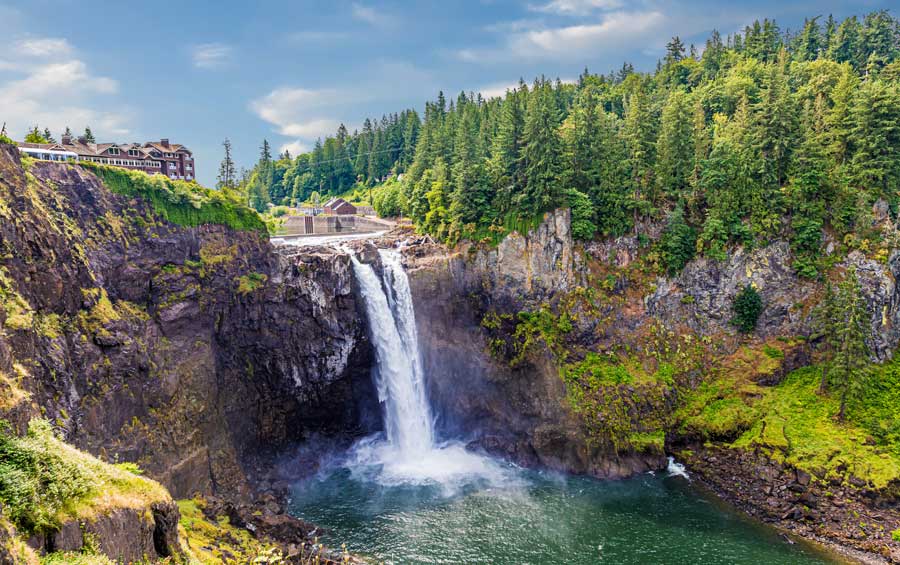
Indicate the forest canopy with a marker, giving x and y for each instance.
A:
(760, 134)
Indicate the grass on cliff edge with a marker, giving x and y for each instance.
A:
(44, 481)
(795, 424)
(182, 203)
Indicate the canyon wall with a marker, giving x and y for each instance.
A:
(186, 350)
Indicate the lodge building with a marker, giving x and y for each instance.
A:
(155, 157)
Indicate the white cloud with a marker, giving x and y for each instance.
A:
(43, 47)
(295, 147)
(614, 30)
(304, 114)
(296, 112)
(50, 87)
(576, 7)
(370, 15)
(496, 90)
(210, 55)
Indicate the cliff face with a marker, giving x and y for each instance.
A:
(469, 298)
(186, 350)
(519, 411)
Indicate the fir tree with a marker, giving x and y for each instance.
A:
(847, 372)
(226, 178)
(89, 135)
(541, 152)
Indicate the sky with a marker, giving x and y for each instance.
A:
(197, 72)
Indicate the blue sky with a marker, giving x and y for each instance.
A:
(196, 72)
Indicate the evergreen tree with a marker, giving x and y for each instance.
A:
(679, 241)
(471, 195)
(505, 166)
(541, 152)
(34, 135)
(875, 139)
(89, 135)
(809, 42)
(808, 191)
(848, 370)
(226, 178)
(638, 136)
(48, 136)
(674, 146)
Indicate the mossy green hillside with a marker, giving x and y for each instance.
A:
(796, 423)
(179, 202)
(44, 481)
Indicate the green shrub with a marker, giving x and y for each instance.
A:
(896, 534)
(583, 226)
(36, 481)
(4, 139)
(747, 307)
(179, 202)
(679, 242)
(44, 481)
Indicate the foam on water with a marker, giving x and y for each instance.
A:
(676, 469)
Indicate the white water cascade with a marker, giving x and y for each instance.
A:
(408, 452)
(401, 387)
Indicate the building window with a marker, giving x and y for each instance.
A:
(113, 151)
(133, 152)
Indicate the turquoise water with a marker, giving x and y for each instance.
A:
(529, 517)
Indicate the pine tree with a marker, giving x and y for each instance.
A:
(89, 135)
(826, 321)
(48, 136)
(809, 42)
(875, 139)
(638, 136)
(471, 195)
(674, 147)
(505, 166)
(848, 371)
(846, 45)
(808, 188)
(541, 152)
(226, 178)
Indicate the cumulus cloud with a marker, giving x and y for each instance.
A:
(299, 112)
(295, 147)
(210, 55)
(576, 7)
(50, 86)
(612, 30)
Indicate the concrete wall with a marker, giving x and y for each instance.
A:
(296, 225)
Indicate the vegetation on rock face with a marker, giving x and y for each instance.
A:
(44, 481)
(747, 307)
(180, 202)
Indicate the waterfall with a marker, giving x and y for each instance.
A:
(408, 452)
(400, 382)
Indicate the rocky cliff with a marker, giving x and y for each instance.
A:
(587, 359)
(187, 350)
